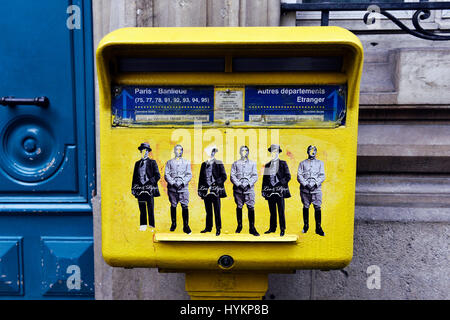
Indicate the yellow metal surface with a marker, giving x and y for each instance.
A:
(122, 242)
(226, 286)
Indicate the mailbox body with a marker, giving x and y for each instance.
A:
(134, 59)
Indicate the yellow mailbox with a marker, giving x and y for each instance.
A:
(228, 153)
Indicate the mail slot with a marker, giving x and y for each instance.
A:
(228, 149)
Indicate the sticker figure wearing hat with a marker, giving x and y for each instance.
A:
(311, 175)
(145, 186)
(178, 174)
(211, 188)
(244, 176)
(275, 188)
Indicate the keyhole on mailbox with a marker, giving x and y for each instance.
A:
(226, 261)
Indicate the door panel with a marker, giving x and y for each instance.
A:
(47, 153)
(11, 268)
(37, 250)
(38, 149)
(65, 259)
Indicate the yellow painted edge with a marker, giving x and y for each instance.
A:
(231, 36)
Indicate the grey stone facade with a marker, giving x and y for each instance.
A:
(403, 207)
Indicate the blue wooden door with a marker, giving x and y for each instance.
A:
(47, 157)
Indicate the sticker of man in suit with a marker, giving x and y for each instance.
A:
(311, 175)
(145, 186)
(211, 188)
(275, 188)
(178, 174)
(244, 176)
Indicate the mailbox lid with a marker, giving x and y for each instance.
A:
(231, 35)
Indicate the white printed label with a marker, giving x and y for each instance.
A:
(277, 118)
(229, 105)
(169, 117)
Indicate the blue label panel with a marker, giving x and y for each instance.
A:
(139, 104)
(295, 103)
